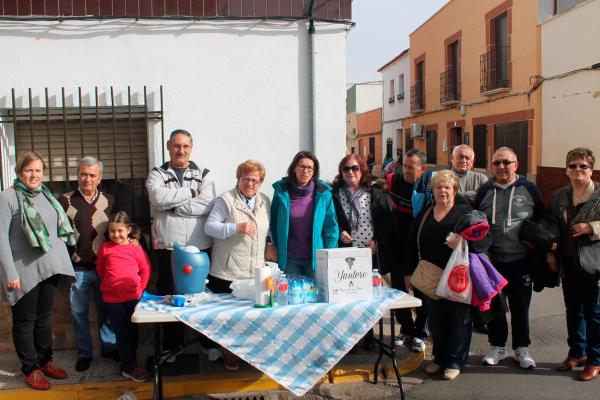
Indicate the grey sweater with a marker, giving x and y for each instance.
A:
(18, 260)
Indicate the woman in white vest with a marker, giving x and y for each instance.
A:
(239, 223)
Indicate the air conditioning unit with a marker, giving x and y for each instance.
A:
(416, 131)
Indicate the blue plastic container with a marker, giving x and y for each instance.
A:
(190, 268)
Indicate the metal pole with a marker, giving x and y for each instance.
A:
(64, 115)
(162, 125)
(130, 153)
(48, 136)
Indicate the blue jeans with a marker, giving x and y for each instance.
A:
(86, 283)
(451, 330)
(583, 315)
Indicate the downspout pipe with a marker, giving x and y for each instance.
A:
(311, 76)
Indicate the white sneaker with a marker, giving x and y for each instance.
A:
(495, 355)
(418, 345)
(172, 357)
(403, 339)
(212, 354)
(523, 358)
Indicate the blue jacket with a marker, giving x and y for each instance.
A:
(325, 228)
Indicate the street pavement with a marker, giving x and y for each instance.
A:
(505, 381)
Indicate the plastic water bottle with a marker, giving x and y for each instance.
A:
(377, 284)
(295, 293)
(282, 291)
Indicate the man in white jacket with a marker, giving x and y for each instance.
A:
(181, 195)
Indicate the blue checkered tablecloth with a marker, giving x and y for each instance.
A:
(293, 345)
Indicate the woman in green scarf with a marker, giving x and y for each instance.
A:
(34, 231)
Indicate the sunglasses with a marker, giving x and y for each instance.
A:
(348, 168)
(496, 163)
(582, 167)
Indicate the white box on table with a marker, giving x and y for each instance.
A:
(344, 274)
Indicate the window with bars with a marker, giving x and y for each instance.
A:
(117, 135)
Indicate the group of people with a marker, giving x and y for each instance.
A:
(403, 219)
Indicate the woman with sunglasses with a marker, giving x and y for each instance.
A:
(302, 216)
(577, 207)
(364, 214)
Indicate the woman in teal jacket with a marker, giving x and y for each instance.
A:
(302, 216)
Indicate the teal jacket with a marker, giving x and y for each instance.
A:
(325, 228)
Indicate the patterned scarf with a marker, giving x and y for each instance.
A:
(32, 222)
(354, 202)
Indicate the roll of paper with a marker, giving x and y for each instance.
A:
(261, 291)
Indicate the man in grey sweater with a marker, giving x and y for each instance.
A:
(462, 161)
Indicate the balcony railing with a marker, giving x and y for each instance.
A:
(494, 70)
(417, 97)
(450, 85)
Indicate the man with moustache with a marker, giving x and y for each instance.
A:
(181, 195)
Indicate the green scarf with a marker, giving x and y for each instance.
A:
(32, 222)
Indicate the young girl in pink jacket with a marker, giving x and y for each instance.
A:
(124, 270)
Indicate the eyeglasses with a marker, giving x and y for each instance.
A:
(348, 168)
(308, 168)
(582, 167)
(496, 163)
(252, 181)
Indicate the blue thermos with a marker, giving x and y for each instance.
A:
(190, 268)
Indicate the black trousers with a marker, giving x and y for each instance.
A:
(126, 331)
(518, 293)
(408, 326)
(32, 325)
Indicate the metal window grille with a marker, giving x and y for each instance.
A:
(115, 134)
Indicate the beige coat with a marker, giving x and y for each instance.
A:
(235, 257)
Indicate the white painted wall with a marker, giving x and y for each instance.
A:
(241, 88)
(571, 105)
(368, 96)
(393, 113)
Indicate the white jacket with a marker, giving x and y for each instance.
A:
(178, 215)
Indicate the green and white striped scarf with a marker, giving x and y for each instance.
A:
(33, 225)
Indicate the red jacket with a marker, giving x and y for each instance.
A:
(124, 271)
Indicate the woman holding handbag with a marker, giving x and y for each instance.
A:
(428, 241)
(577, 207)
(363, 212)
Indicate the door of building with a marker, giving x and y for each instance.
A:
(513, 135)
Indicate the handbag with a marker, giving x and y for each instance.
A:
(427, 275)
(588, 251)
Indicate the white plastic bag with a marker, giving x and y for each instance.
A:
(244, 288)
(455, 283)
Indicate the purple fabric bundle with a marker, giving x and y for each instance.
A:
(487, 281)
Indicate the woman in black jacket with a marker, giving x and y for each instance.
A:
(577, 207)
(363, 212)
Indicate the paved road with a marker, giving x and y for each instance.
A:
(505, 381)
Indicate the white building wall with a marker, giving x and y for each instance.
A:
(394, 113)
(368, 96)
(570, 105)
(241, 88)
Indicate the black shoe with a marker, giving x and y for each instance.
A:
(111, 354)
(83, 364)
(480, 327)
